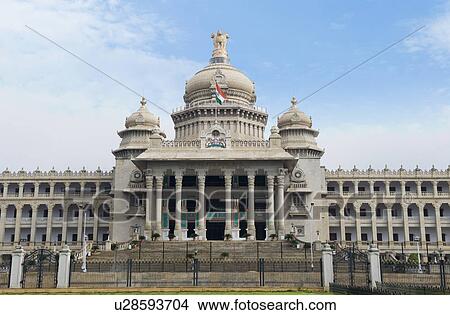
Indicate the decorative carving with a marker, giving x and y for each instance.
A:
(136, 176)
(220, 41)
(215, 140)
(297, 175)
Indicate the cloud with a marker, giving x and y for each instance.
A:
(56, 111)
(424, 142)
(435, 38)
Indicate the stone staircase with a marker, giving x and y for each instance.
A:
(206, 250)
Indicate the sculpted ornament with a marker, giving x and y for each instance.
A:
(220, 44)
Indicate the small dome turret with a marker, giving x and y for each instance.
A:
(294, 117)
(142, 117)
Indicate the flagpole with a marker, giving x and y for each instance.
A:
(217, 106)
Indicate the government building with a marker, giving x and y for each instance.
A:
(221, 178)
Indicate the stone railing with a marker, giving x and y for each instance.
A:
(226, 103)
(67, 173)
(250, 143)
(181, 144)
(386, 173)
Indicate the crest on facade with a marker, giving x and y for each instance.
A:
(219, 78)
(297, 175)
(216, 139)
(136, 176)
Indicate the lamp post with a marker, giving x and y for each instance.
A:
(311, 251)
(417, 239)
(84, 264)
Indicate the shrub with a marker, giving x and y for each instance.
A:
(273, 237)
(155, 236)
(171, 236)
(413, 259)
(228, 237)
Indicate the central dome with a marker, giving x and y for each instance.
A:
(236, 85)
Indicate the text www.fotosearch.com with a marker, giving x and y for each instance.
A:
(211, 305)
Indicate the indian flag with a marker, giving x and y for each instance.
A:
(220, 95)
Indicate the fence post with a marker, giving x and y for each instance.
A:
(327, 266)
(64, 268)
(261, 272)
(373, 255)
(16, 270)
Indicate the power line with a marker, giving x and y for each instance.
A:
(355, 67)
(94, 67)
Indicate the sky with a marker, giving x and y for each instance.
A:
(57, 112)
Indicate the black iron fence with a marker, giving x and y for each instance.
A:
(195, 272)
(5, 273)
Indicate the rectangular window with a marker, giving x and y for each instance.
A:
(376, 188)
(391, 189)
(59, 238)
(45, 215)
(439, 188)
(330, 188)
(76, 214)
(361, 189)
(379, 237)
(12, 238)
(425, 212)
(411, 237)
(90, 237)
(44, 237)
(74, 237)
(443, 237)
(441, 212)
(364, 237)
(423, 189)
(28, 237)
(348, 237)
(347, 211)
(363, 212)
(333, 237)
(407, 188)
(427, 237)
(395, 237)
(410, 212)
(346, 189)
(105, 237)
(394, 213)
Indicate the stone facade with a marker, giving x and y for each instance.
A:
(221, 178)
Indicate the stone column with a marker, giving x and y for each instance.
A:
(52, 189)
(403, 185)
(422, 223)
(389, 224)
(228, 210)
(2, 222)
(327, 266)
(280, 207)
(95, 226)
(5, 190)
(342, 221)
(33, 223)
(178, 196)
(373, 219)
(356, 184)
(36, 189)
(373, 255)
(201, 229)
(341, 188)
(371, 189)
(149, 211)
(270, 206)
(64, 221)
(405, 222)
(48, 231)
(21, 190)
(64, 268)
(251, 207)
(387, 184)
(18, 223)
(435, 190)
(419, 188)
(158, 205)
(81, 210)
(17, 258)
(438, 223)
(357, 207)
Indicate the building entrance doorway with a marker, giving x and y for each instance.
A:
(215, 231)
(260, 231)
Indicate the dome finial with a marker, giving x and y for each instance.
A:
(294, 101)
(219, 53)
(143, 102)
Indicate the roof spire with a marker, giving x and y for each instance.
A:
(143, 102)
(294, 102)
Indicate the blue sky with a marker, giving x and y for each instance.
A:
(394, 110)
